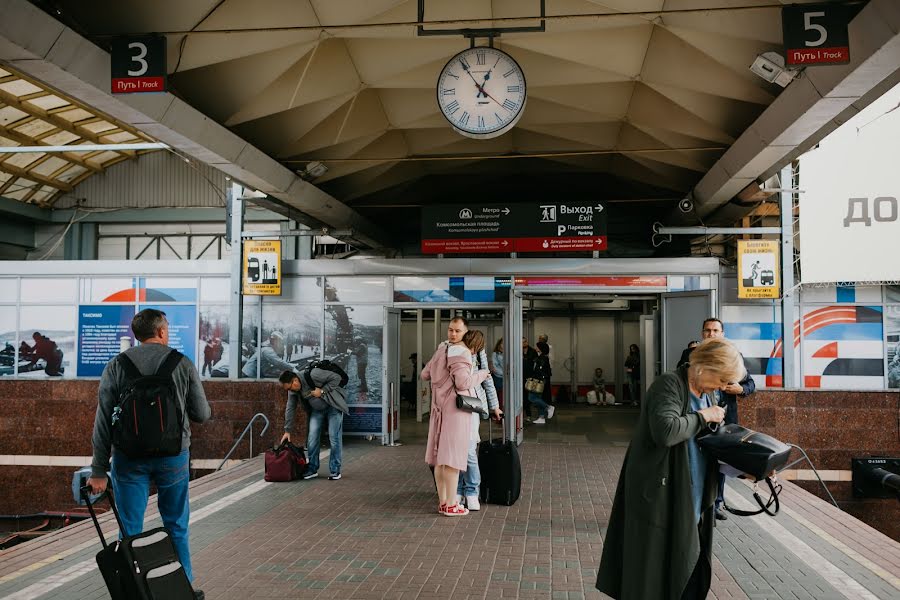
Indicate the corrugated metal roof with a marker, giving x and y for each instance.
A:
(34, 115)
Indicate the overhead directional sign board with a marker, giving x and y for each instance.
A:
(502, 228)
(816, 34)
(138, 64)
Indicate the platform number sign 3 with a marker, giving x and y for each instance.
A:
(138, 64)
(816, 34)
(481, 92)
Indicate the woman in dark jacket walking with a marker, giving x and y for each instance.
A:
(659, 540)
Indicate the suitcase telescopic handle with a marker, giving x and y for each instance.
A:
(491, 429)
(86, 496)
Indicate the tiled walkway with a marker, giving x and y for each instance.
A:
(375, 533)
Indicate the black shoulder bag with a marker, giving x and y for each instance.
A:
(753, 453)
(467, 403)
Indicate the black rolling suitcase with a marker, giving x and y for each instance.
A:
(501, 470)
(140, 567)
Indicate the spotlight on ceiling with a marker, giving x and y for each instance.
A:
(770, 66)
(312, 171)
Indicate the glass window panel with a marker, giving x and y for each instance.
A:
(299, 289)
(353, 336)
(356, 289)
(40, 289)
(118, 289)
(9, 289)
(843, 347)
(168, 289)
(215, 289)
(290, 337)
(249, 336)
(48, 333)
(8, 340)
(213, 343)
(892, 293)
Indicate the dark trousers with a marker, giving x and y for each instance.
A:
(720, 497)
(694, 590)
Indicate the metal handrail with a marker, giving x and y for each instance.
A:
(241, 437)
(806, 458)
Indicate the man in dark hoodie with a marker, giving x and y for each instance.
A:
(321, 398)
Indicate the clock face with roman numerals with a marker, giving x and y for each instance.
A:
(481, 91)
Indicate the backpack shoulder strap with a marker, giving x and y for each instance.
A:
(173, 359)
(131, 371)
(307, 375)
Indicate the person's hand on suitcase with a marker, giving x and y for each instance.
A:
(285, 438)
(97, 485)
(497, 414)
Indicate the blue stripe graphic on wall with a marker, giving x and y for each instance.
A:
(479, 296)
(846, 293)
(774, 366)
(753, 331)
(847, 331)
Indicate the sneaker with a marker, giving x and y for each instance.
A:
(472, 503)
(720, 515)
(550, 411)
(455, 510)
(310, 475)
(199, 595)
(459, 499)
(539, 421)
(334, 476)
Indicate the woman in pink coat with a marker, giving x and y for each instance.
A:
(449, 428)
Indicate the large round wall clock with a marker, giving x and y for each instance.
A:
(481, 92)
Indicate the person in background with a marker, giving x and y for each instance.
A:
(45, 348)
(131, 477)
(658, 544)
(599, 385)
(449, 428)
(541, 370)
(470, 479)
(547, 394)
(323, 401)
(633, 373)
(361, 352)
(271, 362)
(497, 367)
(528, 356)
(209, 354)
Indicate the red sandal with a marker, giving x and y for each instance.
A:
(455, 510)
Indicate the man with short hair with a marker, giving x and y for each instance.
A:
(727, 397)
(321, 398)
(131, 477)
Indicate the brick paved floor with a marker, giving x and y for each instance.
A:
(375, 534)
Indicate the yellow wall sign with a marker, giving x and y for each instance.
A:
(758, 272)
(262, 268)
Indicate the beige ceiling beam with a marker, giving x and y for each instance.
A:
(25, 140)
(810, 108)
(24, 173)
(41, 47)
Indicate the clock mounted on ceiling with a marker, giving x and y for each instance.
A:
(481, 92)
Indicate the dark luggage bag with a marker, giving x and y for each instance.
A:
(286, 462)
(501, 471)
(140, 567)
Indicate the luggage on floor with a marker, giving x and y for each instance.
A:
(140, 567)
(501, 471)
(286, 462)
(592, 397)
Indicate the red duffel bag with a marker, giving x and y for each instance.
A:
(287, 462)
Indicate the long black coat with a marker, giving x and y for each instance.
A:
(653, 542)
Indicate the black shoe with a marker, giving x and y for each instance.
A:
(199, 595)
(720, 515)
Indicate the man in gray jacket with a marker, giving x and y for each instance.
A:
(322, 397)
(131, 477)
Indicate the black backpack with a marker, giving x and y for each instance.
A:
(148, 420)
(326, 365)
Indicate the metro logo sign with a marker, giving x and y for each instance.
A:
(138, 64)
(816, 34)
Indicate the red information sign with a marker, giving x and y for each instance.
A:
(133, 85)
(635, 281)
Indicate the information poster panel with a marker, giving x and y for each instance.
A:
(103, 332)
(262, 268)
(182, 320)
(363, 420)
(758, 272)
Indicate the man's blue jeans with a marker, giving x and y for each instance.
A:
(335, 433)
(131, 485)
(470, 479)
(538, 401)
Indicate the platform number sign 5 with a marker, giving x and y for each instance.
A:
(816, 34)
(138, 64)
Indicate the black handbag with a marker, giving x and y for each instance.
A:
(750, 452)
(470, 404)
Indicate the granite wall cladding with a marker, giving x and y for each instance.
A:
(56, 417)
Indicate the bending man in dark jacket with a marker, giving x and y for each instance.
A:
(324, 398)
(131, 477)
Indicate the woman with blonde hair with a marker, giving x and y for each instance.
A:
(659, 540)
(449, 428)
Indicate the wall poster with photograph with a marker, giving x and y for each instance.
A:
(353, 339)
(8, 340)
(182, 320)
(290, 339)
(892, 347)
(213, 343)
(47, 341)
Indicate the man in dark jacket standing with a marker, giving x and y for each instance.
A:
(131, 477)
(728, 397)
(321, 398)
